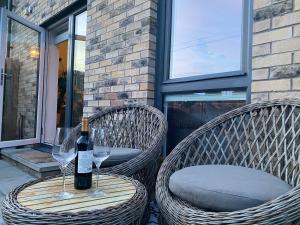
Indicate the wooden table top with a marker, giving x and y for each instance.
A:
(41, 196)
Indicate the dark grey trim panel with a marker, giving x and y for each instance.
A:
(69, 91)
(205, 85)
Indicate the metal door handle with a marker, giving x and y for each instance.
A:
(3, 75)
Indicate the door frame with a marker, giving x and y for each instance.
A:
(5, 14)
(66, 17)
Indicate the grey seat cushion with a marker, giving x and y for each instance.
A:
(120, 155)
(225, 188)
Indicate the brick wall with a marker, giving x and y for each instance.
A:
(26, 87)
(120, 58)
(120, 52)
(121, 42)
(276, 49)
(41, 9)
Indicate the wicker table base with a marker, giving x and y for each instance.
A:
(34, 203)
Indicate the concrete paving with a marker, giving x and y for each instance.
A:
(11, 177)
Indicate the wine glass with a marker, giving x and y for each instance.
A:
(64, 152)
(101, 151)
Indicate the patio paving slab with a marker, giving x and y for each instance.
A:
(11, 177)
(4, 164)
(34, 162)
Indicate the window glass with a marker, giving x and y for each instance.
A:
(188, 112)
(4, 3)
(79, 67)
(206, 37)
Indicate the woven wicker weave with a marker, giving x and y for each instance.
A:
(263, 136)
(134, 126)
(129, 213)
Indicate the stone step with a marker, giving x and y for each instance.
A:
(35, 162)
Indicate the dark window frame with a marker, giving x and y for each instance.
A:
(234, 80)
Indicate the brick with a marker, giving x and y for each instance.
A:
(272, 60)
(133, 56)
(123, 95)
(92, 103)
(140, 47)
(286, 45)
(262, 25)
(141, 79)
(88, 97)
(286, 20)
(296, 83)
(285, 71)
(110, 96)
(117, 73)
(271, 85)
(263, 49)
(261, 3)
(297, 57)
(276, 9)
(261, 74)
(142, 94)
(117, 102)
(296, 31)
(297, 5)
(132, 87)
(117, 88)
(146, 86)
(284, 95)
(132, 72)
(104, 103)
(274, 35)
(259, 97)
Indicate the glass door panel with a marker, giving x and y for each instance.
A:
(20, 81)
(79, 67)
(62, 82)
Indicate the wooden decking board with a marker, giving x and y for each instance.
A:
(41, 197)
(69, 187)
(26, 201)
(68, 180)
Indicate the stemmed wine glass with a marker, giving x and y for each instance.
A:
(101, 151)
(64, 152)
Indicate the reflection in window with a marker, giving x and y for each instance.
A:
(79, 67)
(4, 4)
(188, 112)
(206, 37)
(62, 83)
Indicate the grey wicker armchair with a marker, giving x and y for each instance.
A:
(134, 126)
(263, 136)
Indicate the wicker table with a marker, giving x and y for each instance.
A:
(34, 203)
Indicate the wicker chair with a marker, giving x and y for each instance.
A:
(263, 136)
(134, 126)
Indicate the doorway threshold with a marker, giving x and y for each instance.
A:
(35, 162)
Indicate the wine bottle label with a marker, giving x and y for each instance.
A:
(85, 161)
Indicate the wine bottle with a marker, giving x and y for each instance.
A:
(84, 159)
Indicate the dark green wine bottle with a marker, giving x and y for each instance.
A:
(84, 159)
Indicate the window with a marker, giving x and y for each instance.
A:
(204, 55)
(5, 4)
(79, 67)
(206, 37)
(188, 112)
